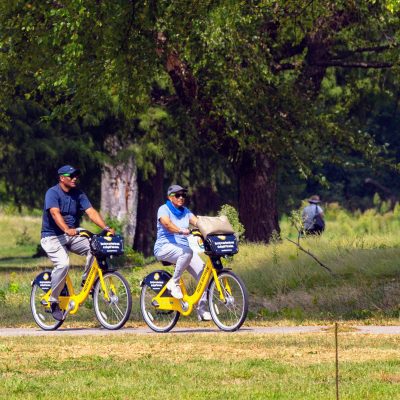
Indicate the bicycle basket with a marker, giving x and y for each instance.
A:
(105, 246)
(221, 245)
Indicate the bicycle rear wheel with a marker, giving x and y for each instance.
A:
(230, 314)
(41, 313)
(113, 313)
(157, 320)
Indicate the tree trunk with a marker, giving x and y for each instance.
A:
(150, 198)
(119, 189)
(256, 173)
(258, 209)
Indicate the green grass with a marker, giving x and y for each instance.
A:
(199, 366)
(286, 287)
(284, 283)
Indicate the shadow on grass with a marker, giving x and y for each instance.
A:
(20, 264)
(16, 258)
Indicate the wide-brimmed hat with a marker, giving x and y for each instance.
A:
(314, 199)
(175, 188)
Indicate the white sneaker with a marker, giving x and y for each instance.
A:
(174, 289)
(205, 316)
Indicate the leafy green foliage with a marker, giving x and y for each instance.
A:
(32, 150)
(298, 83)
(24, 239)
(233, 217)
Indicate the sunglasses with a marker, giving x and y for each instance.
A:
(179, 195)
(72, 176)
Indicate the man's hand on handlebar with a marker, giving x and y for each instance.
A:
(112, 231)
(87, 233)
(71, 232)
(109, 230)
(184, 231)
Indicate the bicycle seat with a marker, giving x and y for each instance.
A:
(166, 263)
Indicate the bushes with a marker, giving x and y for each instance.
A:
(233, 217)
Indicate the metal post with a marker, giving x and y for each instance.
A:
(337, 361)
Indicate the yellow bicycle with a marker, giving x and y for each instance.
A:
(111, 293)
(227, 294)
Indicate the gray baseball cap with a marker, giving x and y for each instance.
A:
(175, 188)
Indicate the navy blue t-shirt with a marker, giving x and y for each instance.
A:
(72, 204)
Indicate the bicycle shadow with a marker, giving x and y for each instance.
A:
(205, 330)
(177, 331)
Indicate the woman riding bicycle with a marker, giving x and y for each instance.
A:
(172, 245)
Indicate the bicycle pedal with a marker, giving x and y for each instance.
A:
(45, 304)
(184, 305)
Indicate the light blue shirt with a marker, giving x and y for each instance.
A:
(164, 236)
(309, 213)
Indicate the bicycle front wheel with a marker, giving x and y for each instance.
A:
(41, 313)
(157, 320)
(230, 313)
(114, 312)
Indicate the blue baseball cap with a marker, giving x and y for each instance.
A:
(68, 170)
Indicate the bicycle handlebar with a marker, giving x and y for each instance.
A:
(89, 234)
(195, 232)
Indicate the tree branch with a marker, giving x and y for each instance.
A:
(376, 49)
(288, 50)
(312, 255)
(284, 67)
(354, 64)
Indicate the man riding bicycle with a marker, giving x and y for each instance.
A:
(64, 205)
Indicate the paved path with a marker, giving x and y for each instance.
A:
(376, 330)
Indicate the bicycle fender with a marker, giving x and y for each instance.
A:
(156, 280)
(43, 280)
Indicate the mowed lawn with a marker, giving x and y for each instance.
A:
(200, 366)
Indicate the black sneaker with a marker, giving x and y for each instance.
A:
(56, 312)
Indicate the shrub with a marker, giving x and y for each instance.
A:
(233, 217)
(23, 239)
(130, 258)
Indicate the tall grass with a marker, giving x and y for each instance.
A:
(361, 249)
(355, 226)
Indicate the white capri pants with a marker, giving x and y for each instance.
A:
(184, 259)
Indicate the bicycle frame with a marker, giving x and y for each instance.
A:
(186, 305)
(72, 302)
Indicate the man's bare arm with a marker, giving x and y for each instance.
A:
(95, 217)
(59, 220)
